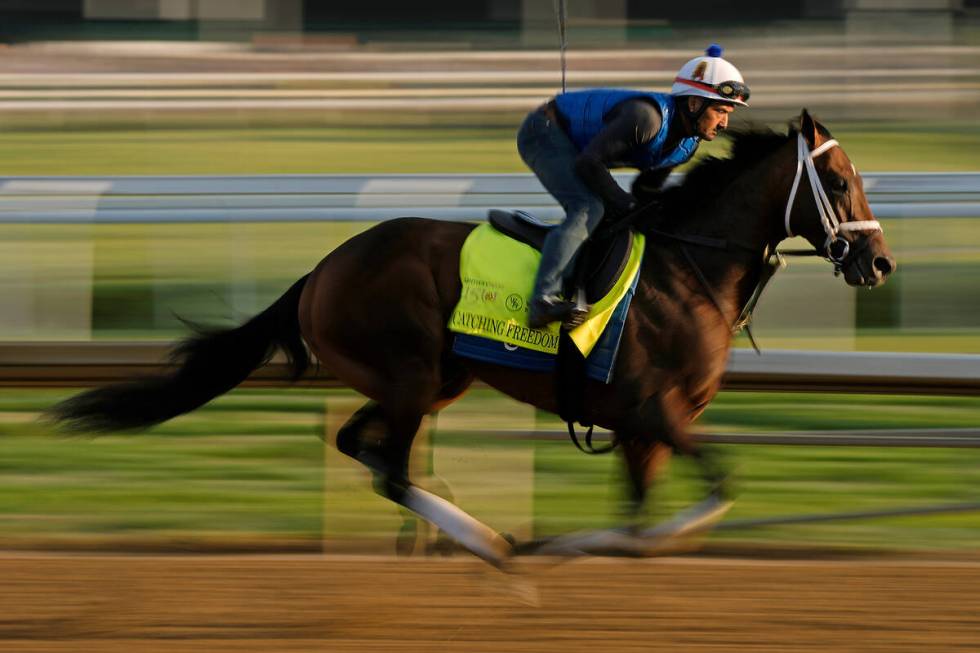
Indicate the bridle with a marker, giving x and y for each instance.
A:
(835, 247)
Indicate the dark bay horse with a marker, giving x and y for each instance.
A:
(374, 312)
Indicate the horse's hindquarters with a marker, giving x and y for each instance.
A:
(374, 309)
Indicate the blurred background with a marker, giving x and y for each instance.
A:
(132, 138)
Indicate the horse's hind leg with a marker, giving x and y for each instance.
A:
(361, 438)
(395, 485)
(350, 438)
(400, 413)
(364, 436)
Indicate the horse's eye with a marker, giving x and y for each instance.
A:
(838, 185)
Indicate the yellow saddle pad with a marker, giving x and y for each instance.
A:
(498, 276)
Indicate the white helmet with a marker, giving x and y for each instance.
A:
(712, 77)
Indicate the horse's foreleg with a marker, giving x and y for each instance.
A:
(648, 437)
(644, 460)
(668, 416)
(659, 428)
(716, 475)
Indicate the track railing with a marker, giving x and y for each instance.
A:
(305, 198)
(66, 364)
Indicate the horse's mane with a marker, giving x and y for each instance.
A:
(706, 181)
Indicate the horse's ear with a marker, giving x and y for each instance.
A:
(808, 127)
(814, 133)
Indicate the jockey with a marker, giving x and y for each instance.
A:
(573, 140)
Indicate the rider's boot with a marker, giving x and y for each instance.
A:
(550, 308)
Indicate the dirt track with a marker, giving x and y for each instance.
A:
(150, 603)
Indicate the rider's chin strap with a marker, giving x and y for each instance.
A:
(832, 226)
(692, 116)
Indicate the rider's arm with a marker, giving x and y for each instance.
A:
(649, 184)
(630, 125)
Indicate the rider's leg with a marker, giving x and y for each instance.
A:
(547, 150)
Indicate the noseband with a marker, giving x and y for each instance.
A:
(836, 247)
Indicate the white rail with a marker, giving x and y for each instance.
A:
(306, 198)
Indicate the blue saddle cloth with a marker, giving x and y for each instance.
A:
(599, 365)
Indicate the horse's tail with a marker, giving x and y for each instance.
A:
(206, 365)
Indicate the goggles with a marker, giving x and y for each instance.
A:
(728, 90)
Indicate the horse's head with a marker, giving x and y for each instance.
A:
(827, 206)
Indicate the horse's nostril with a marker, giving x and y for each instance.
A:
(884, 264)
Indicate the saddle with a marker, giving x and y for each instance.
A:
(599, 265)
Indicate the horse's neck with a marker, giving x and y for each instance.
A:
(747, 216)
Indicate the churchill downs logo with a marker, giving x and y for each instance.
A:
(479, 290)
(504, 329)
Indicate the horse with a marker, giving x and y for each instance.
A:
(374, 312)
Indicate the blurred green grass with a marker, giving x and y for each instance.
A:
(400, 148)
(250, 468)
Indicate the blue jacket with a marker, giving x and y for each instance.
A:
(584, 112)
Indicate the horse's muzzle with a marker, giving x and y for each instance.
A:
(872, 266)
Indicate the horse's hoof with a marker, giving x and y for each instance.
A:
(443, 546)
(405, 542)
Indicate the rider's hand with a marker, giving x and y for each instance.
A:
(648, 184)
(621, 208)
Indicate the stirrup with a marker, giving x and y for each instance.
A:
(576, 317)
(544, 312)
(579, 313)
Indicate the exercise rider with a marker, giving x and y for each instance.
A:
(573, 140)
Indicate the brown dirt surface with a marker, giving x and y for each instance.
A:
(348, 603)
